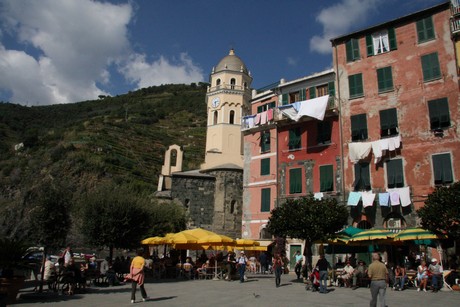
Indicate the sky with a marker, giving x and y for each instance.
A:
(64, 51)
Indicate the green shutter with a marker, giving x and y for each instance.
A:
(349, 50)
(323, 132)
(392, 39)
(285, 99)
(358, 127)
(272, 105)
(355, 48)
(385, 79)
(265, 200)
(294, 138)
(420, 31)
(425, 29)
(265, 167)
(355, 83)
(362, 177)
(442, 168)
(260, 109)
(312, 92)
(265, 141)
(439, 113)
(295, 181)
(430, 67)
(326, 177)
(369, 45)
(395, 175)
(303, 94)
(331, 88)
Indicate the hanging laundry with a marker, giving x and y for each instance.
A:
(353, 198)
(288, 111)
(368, 199)
(263, 118)
(404, 195)
(394, 197)
(296, 105)
(315, 108)
(377, 151)
(269, 114)
(384, 199)
(318, 195)
(257, 119)
(358, 151)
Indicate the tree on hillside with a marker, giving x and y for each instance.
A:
(441, 213)
(49, 219)
(118, 217)
(308, 219)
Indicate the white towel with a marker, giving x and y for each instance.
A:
(318, 195)
(377, 151)
(315, 108)
(404, 195)
(368, 199)
(288, 111)
(394, 197)
(353, 198)
(358, 151)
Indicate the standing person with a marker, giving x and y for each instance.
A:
(263, 262)
(378, 273)
(136, 274)
(67, 255)
(230, 265)
(436, 274)
(298, 264)
(241, 262)
(323, 265)
(278, 266)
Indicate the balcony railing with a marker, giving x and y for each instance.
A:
(455, 7)
(455, 25)
(226, 87)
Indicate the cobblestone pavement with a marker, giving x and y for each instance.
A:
(257, 291)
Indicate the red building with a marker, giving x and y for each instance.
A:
(397, 84)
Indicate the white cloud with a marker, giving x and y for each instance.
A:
(68, 47)
(339, 19)
(138, 70)
(291, 61)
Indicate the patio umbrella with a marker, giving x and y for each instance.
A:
(216, 242)
(154, 241)
(417, 233)
(372, 235)
(199, 232)
(246, 243)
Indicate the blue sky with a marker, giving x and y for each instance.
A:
(63, 51)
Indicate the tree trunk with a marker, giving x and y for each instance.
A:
(308, 255)
(42, 270)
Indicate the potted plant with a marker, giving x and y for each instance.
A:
(12, 268)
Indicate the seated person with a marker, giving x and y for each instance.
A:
(347, 274)
(436, 275)
(400, 277)
(422, 275)
(188, 269)
(359, 272)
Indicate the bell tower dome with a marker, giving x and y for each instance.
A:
(227, 101)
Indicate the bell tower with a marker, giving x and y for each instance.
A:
(227, 101)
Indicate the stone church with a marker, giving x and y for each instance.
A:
(212, 195)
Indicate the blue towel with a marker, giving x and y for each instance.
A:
(353, 198)
(383, 199)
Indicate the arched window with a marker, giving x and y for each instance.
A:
(187, 204)
(232, 117)
(232, 83)
(245, 84)
(173, 157)
(233, 206)
(218, 83)
(215, 117)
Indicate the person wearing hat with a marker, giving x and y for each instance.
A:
(436, 274)
(241, 263)
(347, 273)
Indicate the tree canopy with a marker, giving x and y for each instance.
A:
(308, 219)
(441, 213)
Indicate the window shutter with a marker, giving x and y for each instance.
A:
(429, 29)
(421, 31)
(355, 48)
(381, 79)
(365, 176)
(392, 39)
(302, 94)
(331, 88)
(384, 120)
(434, 114)
(323, 132)
(265, 200)
(259, 109)
(272, 105)
(390, 174)
(446, 169)
(295, 181)
(430, 67)
(349, 51)
(369, 45)
(265, 166)
(284, 99)
(437, 168)
(312, 92)
(326, 174)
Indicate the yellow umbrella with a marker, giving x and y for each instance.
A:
(257, 248)
(372, 235)
(199, 232)
(416, 233)
(182, 238)
(154, 241)
(246, 243)
(216, 239)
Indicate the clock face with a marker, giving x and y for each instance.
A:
(215, 102)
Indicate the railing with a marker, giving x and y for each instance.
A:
(226, 87)
(454, 25)
(455, 7)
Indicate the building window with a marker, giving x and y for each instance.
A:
(265, 141)
(352, 49)
(265, 107)
(326, 178)
(216, 115)
(362, 177)
(218, 82)
(439, 113)
(331, 88)
(295, 181)
(312, 92)
(430, 67)
(232, 117)
(294, 139)
(442, 168)
(324, 132)
(395, 174)
(358, 127)
(232, 83)
(284, 99)
(303, 94)
(425, 29)
(381, 42)
(265, 167)
(322, 90)
(265, 200)
(385, 79)
(355, 84)
(388, 123)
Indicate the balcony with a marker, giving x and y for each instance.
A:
(455, 25)
(455, 7)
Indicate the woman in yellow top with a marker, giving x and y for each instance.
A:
(136, 274)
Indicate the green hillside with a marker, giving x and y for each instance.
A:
(118, 139)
